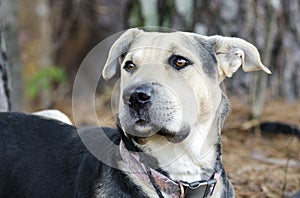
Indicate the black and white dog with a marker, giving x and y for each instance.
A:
(168, 144)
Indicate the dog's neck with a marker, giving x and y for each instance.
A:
(195, 158)
(162, 183)
(198, 157)
(191, 160)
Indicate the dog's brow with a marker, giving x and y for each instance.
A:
(128, 56)
(173, 48)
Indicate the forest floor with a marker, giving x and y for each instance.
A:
(262, 165)
(258, 165)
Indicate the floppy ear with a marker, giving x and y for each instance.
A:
(120, 46)
(233, 53)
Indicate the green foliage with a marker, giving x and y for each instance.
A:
(44, 80)
(168, 15)
(135, 18)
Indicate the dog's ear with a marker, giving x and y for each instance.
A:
(233, 53)
(120, 46)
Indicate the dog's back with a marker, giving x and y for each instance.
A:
(41, 158)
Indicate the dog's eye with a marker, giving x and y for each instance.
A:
(178, 62)
(181, 62)
(129, 66)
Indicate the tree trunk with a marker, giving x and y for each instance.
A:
(4, 88)
(5, 91)
(46, 45)
(259, 85)
(83, 24)
(287, 61)
(11, 37)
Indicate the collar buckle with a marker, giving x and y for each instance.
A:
(208, 186)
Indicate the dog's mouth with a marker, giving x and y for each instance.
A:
(142, 122)
(170, 136)
(174, 137)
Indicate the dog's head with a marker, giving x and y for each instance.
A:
(170, 82)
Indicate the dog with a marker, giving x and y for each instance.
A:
(171, 110)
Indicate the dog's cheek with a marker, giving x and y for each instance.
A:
(205, 104)
(124, 116)
(204, 110)
(202, 97)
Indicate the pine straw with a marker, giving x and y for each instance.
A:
(260, 165)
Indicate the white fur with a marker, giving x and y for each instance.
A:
(54, 114)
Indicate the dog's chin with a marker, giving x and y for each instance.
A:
(143, 134)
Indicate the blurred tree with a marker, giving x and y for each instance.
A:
(11, 69)
(286, 78)
(4, 83)
(259, 85)
(273, 27)
(165, 10)
(80, 25)
(183, 15)
(46, 56)
(149, 12)
(135, 16)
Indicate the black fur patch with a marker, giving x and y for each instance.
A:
(46, 158)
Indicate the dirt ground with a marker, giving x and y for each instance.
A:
(258, 165)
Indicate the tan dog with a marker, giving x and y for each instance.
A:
(172, 106)
(168, 144)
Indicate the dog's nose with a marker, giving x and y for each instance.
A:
(141, 95)
(139, 100)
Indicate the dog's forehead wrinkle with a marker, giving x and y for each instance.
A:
(180, 44)
(169, 41)
(149, 56)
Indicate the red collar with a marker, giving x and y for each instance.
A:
(162, 183)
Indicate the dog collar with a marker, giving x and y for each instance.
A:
(162, 183)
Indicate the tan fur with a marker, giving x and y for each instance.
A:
(194, 95)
